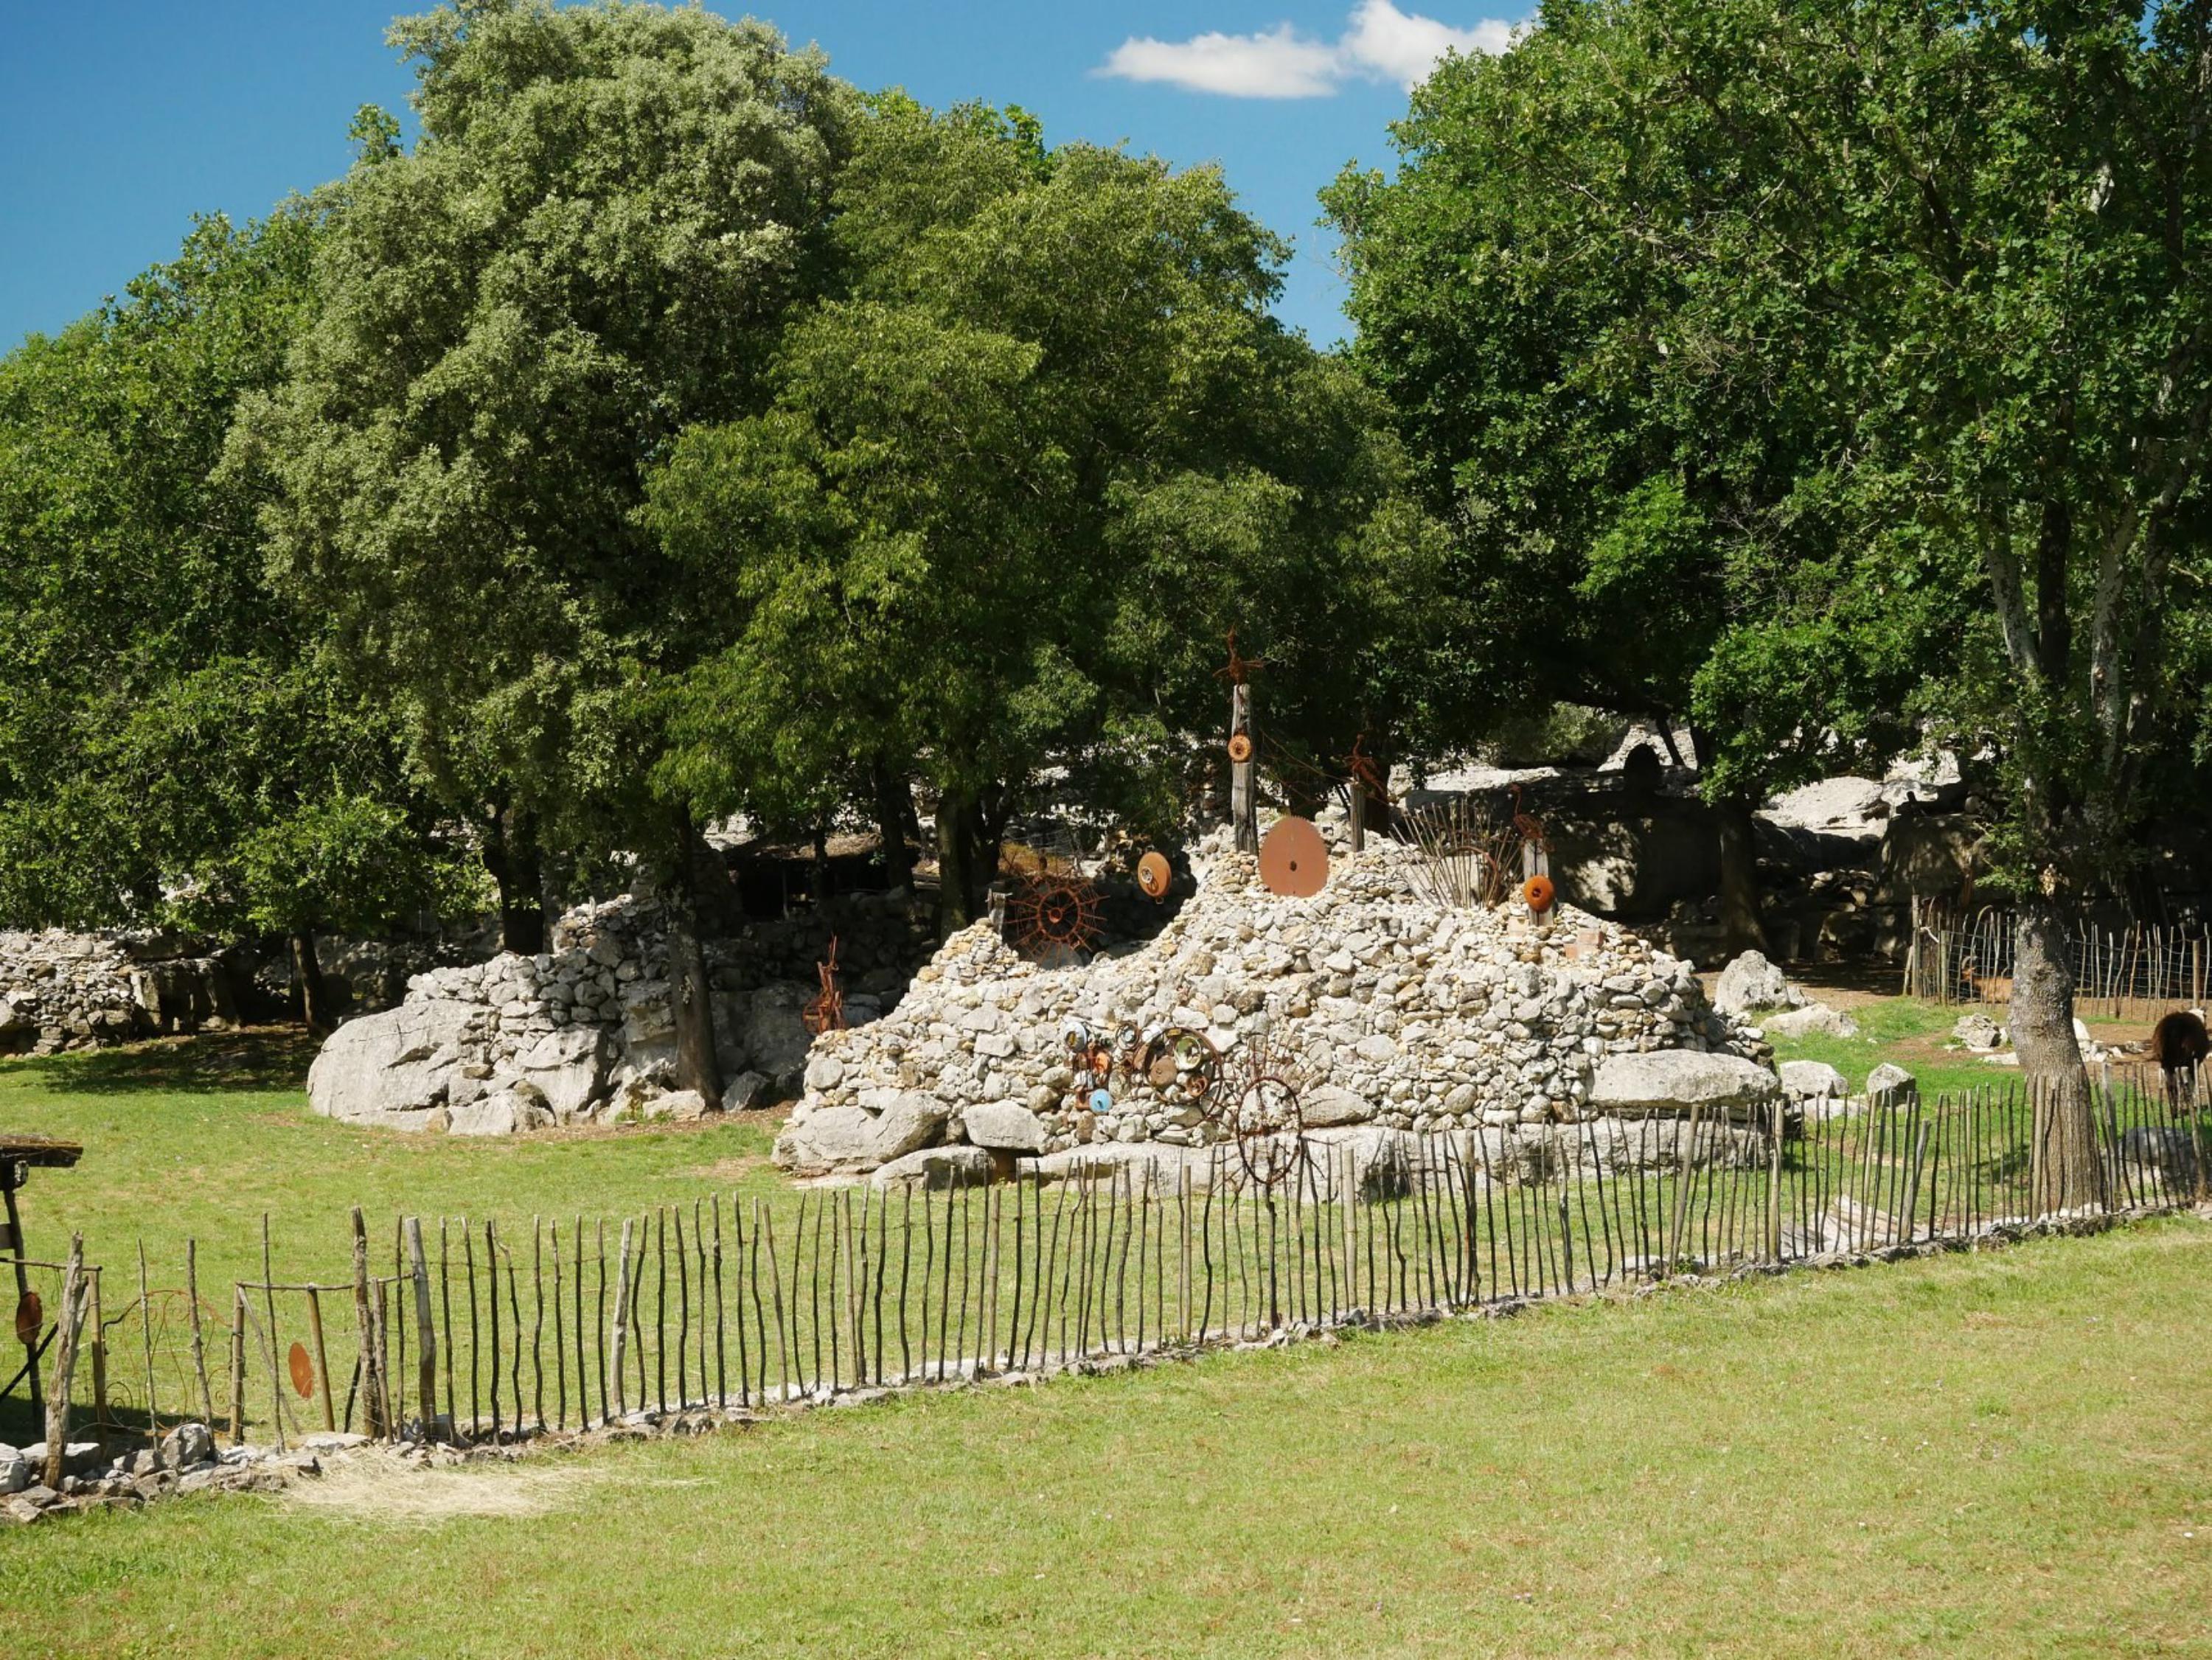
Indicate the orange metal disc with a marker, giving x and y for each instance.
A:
(1240, 747)
(1537, 893)
(30, 1319)
(303, 1371)
(1294, 859)
(1154, 876)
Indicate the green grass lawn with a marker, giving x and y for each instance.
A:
(2001, 1453)
(199, 1137)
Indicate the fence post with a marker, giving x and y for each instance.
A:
(426, 1331)
(374, 1399)
(71, 1321)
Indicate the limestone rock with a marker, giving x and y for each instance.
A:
(1886, 1080)
(1977, 1031)
(391, 1067)
(937, 1168)
(831, 1139)
(1330, 1104)
(505, 1113)
(1815, 1019)
(1007, 1125)
(1804, 1080)
(568, 1069)
(1669, 1082)
(745, 1092)
(1751, 982)
(677, 1107)
(776, 1036)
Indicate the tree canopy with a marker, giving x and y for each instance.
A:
(1036, 451)
(176, 747)
(1876, 339)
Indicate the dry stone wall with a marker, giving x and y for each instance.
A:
(1393, 1014)
(585, 1032)
(62, 991)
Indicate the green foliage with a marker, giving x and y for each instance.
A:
(1867, 400)
(1038, 453)
(170, 729)
(594, 243)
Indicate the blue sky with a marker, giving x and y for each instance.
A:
(120, 121)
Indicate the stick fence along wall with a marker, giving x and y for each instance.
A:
(475, 1330)
(2138, 971)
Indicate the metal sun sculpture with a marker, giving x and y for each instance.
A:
(825, 1012)
(1266, 1118)
(1055, 916)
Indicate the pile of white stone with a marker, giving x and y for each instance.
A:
(1392, 1015)
(60, 991)
(582, 1034)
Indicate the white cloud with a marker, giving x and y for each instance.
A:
(1389, 43)
(1379, 43)
(1278, 63)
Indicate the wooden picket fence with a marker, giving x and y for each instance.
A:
(481, 1330)
(2138, 971)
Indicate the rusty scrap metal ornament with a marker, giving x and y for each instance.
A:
(1056, 915)
(1155, 876)
(1538, 894)
(1240, 747)
(825, 1011)
(30, 1319)
(303, 1371)
(1294, 859)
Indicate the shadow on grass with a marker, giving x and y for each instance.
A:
(268, 1058)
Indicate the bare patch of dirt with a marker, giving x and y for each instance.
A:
(374, 1488)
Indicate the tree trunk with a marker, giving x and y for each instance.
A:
(894, 806)
(510, 856)
(966, 861)
(1743, 929)
(691, 999)
(307, 975)
(2066, 1173)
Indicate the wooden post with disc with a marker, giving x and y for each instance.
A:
(1244, 770)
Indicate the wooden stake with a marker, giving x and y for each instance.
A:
(199, 1346)
(70, 1321)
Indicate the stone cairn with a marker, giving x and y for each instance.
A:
(585, 1032)
(1542, 1038)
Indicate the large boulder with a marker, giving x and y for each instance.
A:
(1675, 1083)
(1751, 982)
(831, 1140)
(1007, 1125)
(392, 1069)
(568, 1069)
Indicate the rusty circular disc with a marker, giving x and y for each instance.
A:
(1538, 894)
(1240, 747)
(1154, 876)
(1294, 859)
(303, 1371)
(30, 1319)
